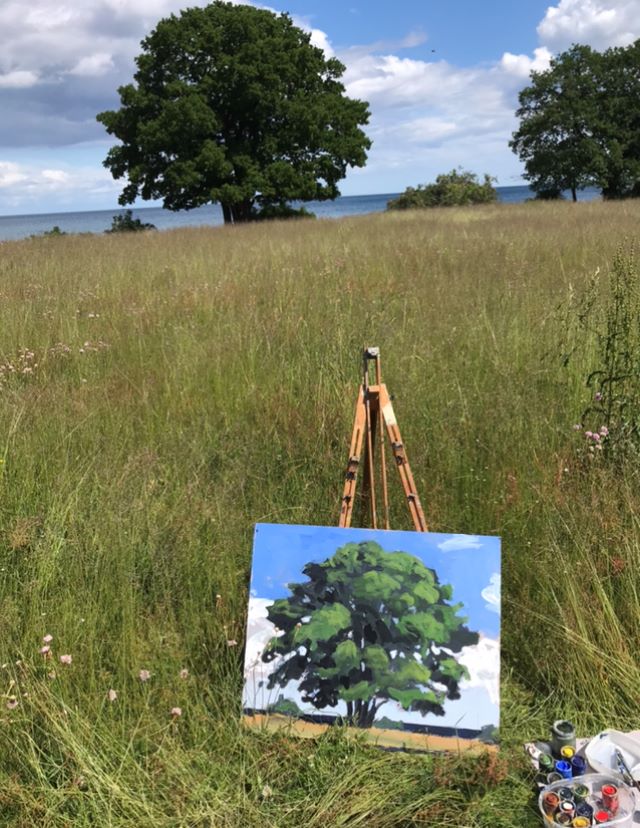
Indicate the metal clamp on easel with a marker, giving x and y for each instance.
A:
(374, 412)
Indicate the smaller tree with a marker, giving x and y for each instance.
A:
(125, 223)
(457, 188)
(558, 114)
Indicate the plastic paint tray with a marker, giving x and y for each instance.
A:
(594, 782)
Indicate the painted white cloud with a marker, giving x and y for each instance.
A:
(491, 593)
(458, 542)
(483, 663)
(598, 23)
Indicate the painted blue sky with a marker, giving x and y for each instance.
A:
(441, 78)
(466, 562)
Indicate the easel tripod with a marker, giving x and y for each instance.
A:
(374, 412)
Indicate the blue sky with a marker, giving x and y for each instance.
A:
(467, 562)
(441, 78)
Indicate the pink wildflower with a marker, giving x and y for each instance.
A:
(588, 434)
(65, 659)
(12, 703)
(577, 427)
(231, 642)
(144, 675)
(597, 396)
(184, 673)
(45, 651)
(112, 695)
(604, 431)
(595, 437)
(176, 712)
(47, 639)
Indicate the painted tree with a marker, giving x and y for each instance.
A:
(233, 104)
(367, 627)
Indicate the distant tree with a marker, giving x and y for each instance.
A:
(369, 626)
(580, 123)
(233, 104)
(457, 188)
(125, 223)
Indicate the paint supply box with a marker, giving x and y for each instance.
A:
(593, 790)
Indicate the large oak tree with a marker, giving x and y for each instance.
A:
(233, 104)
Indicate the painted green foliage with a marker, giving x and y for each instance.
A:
(233, 104)
(367, 627)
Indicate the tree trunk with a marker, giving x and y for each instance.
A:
(237, 212)
(574, 195)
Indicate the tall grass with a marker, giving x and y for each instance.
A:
(162, 393)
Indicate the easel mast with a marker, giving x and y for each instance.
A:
(373, 411)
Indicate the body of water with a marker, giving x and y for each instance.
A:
(97, 221)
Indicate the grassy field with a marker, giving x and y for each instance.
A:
(160, 393)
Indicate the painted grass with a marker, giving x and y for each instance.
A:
(180, 387)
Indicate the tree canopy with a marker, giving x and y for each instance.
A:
(369, 626)
(233, 104)
(457, 188)
(579, 123)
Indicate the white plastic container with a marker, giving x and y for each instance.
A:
(594, 782)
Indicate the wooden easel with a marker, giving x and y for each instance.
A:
(373, 411)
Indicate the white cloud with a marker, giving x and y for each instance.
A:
(93, 65)
(11, 174)
(491, 593)
(18, 79)
(598, 23)
(456, 543)
(29, 187)
(522, 65)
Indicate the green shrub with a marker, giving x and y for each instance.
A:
(125, 223)
(457, 188)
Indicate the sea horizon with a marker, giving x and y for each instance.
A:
(24, 225)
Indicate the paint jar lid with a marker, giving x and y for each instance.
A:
(567, 752)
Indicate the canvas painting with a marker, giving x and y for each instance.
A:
(396, 634)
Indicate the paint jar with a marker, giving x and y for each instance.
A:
(580, 793)
(600, 817)
(550, 802)
(565, 792)
(578, 765)
(585, 810)
(567, 806)
(563, 734)
(564, 769)
(567, 752)
(581, 822)
(562, 819)
(610, 798)
(545, 762)
(553, 777)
